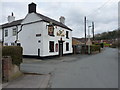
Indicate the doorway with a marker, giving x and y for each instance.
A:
(60, 48)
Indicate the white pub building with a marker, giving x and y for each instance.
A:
(39, 35)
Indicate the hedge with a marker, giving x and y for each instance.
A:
(95, 48)
(15, 52)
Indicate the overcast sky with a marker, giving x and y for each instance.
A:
(103, 12)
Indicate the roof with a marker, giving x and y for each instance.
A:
(14, 23)
(47, 19)
(44, 18)
(75, 42)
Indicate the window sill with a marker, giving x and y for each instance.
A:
(52, 35)
(51, 52)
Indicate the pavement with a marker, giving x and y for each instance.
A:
(29, 81)
(74, 71)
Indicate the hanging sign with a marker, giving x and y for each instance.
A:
(61, 33)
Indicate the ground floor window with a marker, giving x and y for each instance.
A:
(6, 44)
(67, 46)
(12, 44)
(51, 46)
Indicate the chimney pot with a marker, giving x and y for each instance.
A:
(62, 19)
(11, 18)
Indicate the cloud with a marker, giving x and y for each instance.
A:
(105, 18)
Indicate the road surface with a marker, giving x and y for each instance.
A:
(95, 71)
(77, 71)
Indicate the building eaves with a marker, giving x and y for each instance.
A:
(47, 19)
(14, 23)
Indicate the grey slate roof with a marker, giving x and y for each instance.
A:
(44, 18)
(14, 23)
(47, 19)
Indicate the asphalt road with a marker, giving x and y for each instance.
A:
(79, 71)
(97, 71)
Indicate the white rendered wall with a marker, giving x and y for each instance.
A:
(32, 17)
(47, 38)
(0, 34)
(10, 38)
(27, 36)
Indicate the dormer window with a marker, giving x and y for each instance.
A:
(50, 30)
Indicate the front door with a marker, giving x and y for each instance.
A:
(60, 48)
(38, 52)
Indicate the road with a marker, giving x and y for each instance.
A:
(97, 71)
(77, 71)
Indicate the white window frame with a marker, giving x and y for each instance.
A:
(14, 31)
(6, 33)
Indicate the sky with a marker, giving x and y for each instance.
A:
(104, 13)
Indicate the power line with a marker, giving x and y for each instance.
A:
(99, 8)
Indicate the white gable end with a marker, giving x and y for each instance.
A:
(31, 17)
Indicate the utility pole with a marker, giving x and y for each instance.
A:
(93, 30)
(85, 31)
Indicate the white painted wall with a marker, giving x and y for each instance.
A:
(31, 17)
(29, 41)
(27, 36)
(0, 34)
(47, 38)
(10, 38)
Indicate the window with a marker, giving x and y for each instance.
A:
(67, 46)
(67, 33)
(12, 44)
(50, 30)
(51, 46)
(6, 33)
(6, 44)
(14, 31)
(18, 44)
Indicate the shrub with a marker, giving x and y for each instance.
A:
(15, 52)
(95, 48)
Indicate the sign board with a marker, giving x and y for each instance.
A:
(60, 33)
(38, 35)
(89, 42)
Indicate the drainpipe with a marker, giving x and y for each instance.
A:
(18, 33)
(2, 36)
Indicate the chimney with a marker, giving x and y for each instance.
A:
(32, 8)
(62, 19)
(11, 18)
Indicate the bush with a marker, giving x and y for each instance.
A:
(95, 48)
(15, 52)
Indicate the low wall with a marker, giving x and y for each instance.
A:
(9, 71)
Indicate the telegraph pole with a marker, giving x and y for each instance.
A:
(85, 28)
(85, 31)
(93, 30)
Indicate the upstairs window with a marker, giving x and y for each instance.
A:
(6, 33)
(67, 34)
(51, 46)
(14, 31)
(51, 30)
(67, 46)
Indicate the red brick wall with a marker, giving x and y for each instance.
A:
(6, 68)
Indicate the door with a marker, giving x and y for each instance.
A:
(60, 48)
(38, 52)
